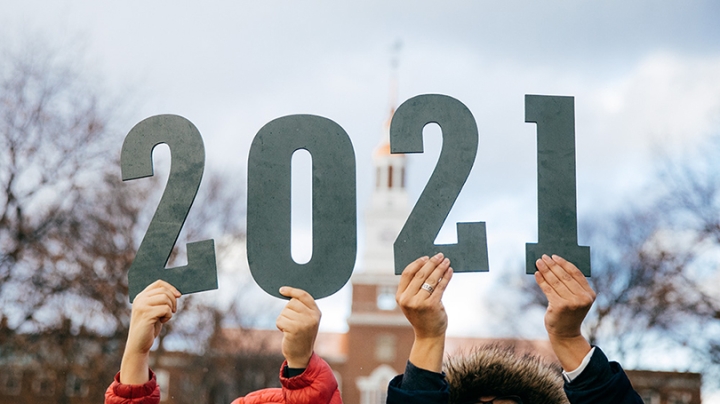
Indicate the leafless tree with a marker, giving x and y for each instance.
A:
(655, 266)
(69, 228)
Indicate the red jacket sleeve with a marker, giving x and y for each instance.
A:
(316, 385)
(118, 393)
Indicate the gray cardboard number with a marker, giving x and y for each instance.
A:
(334, 211)
(186, 170)
(557, 196)
(459, 147)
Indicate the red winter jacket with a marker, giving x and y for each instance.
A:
(316, 385)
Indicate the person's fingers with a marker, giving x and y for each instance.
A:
(437, 273)
(299, 313)
(424, 272)
(434, 280)
(292, 321)
(442, 284)
(545, 286)
(171, 298)
(288, 319)
(300, 295)
(160, 298)
(281, 322)
(561, 273)
(409, 273)
(159, 287)
(545, 266)
(162, 313)
(575, 273)
(161, 284)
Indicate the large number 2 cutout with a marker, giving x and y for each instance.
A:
(557, 195)
(186, 170)
(460, 142)
(334, 210)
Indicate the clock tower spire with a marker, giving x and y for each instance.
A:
(379, 336)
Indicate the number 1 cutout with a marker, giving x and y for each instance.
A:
(557, 194)
(334, 210)
(186, 170)
(459, 148)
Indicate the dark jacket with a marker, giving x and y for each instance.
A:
(602, 382)
(418, 386)
(497, 371)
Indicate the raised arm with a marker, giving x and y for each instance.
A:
(423, 307)
(569, 299)
(419, 295)
(590, 378)
(305, 378)
(299, 322)
(152, 308)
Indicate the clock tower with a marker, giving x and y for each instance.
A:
(379, 336)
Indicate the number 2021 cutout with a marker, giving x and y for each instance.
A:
(186, 170)
(334, 206)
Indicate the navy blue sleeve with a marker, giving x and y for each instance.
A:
(601, 382)
(418, 386)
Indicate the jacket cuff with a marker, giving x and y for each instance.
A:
(315, 367)
(134, 390)
(601, 380)
(317, 383)
(599, 372)
(396, 394)
(416, 378)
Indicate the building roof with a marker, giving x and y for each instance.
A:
(333, 347)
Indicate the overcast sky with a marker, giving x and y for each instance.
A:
(644, 74)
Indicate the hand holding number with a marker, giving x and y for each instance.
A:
(569, 299)
(424, 309)
(152, 308)
(299, 322)
(422, 306)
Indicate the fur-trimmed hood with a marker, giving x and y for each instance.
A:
(494, 370)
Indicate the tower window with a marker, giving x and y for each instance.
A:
(11, 382)
(44, 384)
(386, 297)
(385, 347)
(373, 388)
(76, 386)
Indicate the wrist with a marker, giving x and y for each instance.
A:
(567, 340)
(299, 362)
(427, 353)
(570, 350)
(134, 368)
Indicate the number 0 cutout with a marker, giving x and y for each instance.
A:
(334, 210)
(459, 148)
(557, 194)
(186, 170)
